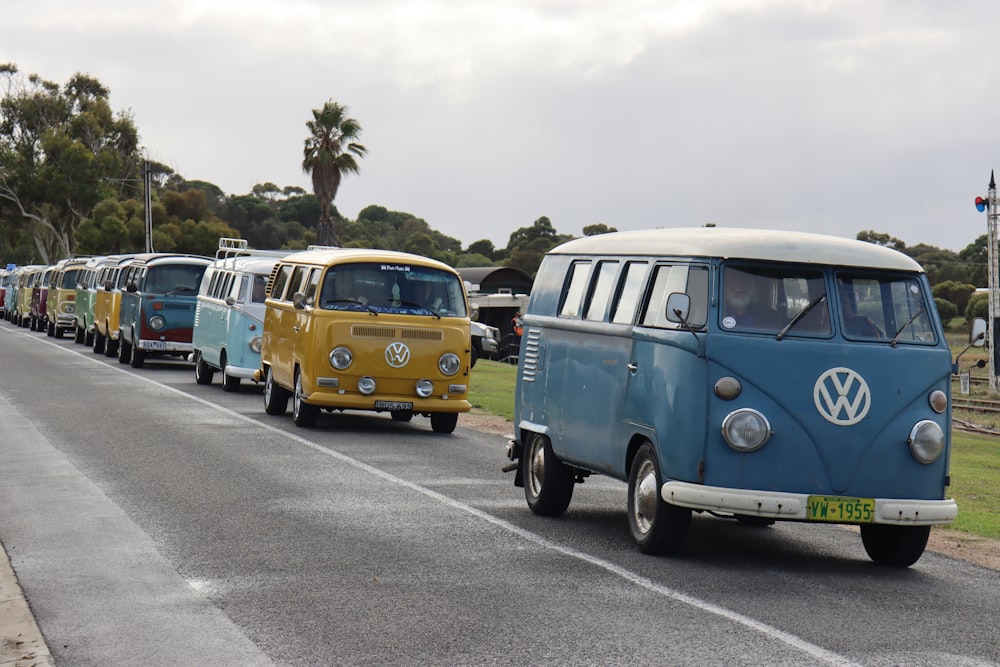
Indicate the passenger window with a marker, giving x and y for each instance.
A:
(601, 294)
(667, 279)
(630, 292)
(295, 284)
(280, 282)
(311, 287)
(577, 287)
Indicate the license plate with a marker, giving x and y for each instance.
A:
(154, 345)
(840, 509)
(393, 405)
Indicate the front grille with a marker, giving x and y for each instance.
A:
(396, 333)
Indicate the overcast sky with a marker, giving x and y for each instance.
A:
(832, 116)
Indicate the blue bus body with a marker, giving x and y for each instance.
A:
(640, 361)
(229, 317)
(156, 315)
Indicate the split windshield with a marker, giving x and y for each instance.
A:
(392, 288)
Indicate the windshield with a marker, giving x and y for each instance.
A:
(888, 308)
(393, 288)
(174, 279)
(767, 299)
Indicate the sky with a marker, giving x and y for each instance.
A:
(481, 116)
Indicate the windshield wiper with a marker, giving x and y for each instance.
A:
(895, 338)
(413, 304)
(798, 316)
(370, 309)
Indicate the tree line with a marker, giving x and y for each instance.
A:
(72, 183)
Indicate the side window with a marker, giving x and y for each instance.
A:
(579, 276)
(630, 292)
(667, 279)
(603, 288)
(295, 283)
(280, 281)
(312, 286)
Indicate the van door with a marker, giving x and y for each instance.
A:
(666, 399)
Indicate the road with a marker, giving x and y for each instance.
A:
(154, 521)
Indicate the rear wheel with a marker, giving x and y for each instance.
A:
(548, 482)
(275, 396)
(229, 383)
(657, 526)
(303, 414)
(401, 415)
(203, 373)
(444, 422)
(894, 545)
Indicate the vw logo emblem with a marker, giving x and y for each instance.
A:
(397, 355)
(842, 396)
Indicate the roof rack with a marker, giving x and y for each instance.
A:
(229, 248)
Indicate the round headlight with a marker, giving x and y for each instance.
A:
(69, 308)
(424, 388)
(255, 344)
(926, 441)
(366, 385)
(156, 322)
(449, 363)
(745, 430)
(938, 400)
(340, 358)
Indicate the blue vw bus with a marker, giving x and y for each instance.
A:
(229, 316)
(760, 375)
(156, 315)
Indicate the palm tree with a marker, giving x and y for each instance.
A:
(327, 156)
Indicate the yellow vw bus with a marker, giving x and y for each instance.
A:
(357, 329)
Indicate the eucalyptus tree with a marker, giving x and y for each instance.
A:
(330, 151)
(62, 151)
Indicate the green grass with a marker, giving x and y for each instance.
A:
(975, 459)
(492, 388)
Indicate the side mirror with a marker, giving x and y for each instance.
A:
(977, 335)
(678, 307)
(473, 311)
(299, 300)
(132, 287)
(107, 285)
(230, 301)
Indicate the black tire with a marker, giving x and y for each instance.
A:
(303, 414)
(88, 338)
(475, 352)
(138, 358)
(50, 330)
(110, 347)
(78, 334)
(100, 343)
(124, 351)
(401, 415)
(548, 482)
(657, 526)
(229, 383)
(901, 546)
(203, 373)
(275, 396)
(444, 422)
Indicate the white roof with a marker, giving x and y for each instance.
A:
(731, 243)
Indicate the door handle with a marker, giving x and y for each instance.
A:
(295, 328)
(632, 367)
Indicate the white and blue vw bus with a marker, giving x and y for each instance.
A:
(761, 375)
(229, 316)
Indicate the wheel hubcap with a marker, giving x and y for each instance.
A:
(644, 500)
(536, 467)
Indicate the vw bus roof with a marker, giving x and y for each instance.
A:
(326, 256)
(731, 243)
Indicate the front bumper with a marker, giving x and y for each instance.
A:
(792, 506)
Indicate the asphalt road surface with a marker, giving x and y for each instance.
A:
(153, 521)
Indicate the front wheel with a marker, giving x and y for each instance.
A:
(203, 373)
(138, 357)
(124, 351)
(548, 482)
(444, 422)
(303, 414)
(657, 526)
(229, 382)
(99, 343)
(894, 545)
(275, 396)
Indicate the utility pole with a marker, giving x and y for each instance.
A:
(148, 202)
(992, 217)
